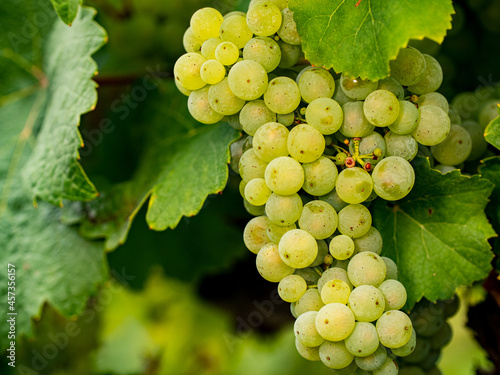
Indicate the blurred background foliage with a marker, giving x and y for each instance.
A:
(189, 300)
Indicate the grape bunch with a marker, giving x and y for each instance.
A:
(318, 148)
(432, 333)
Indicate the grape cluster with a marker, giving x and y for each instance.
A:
(318, 148)
(432, 333)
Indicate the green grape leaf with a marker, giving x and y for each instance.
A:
(183, 162)
(492, 132)
(438, 235)
(359, 38)
(56, 63)
(66, 9)
(53, 263)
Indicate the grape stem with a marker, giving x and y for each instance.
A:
(318, 271)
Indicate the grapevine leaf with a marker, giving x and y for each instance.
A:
(182, 164)
(53, 263)
(57, 64)
(360, 37)
(66, 9)
(438, 234)
(492, 132)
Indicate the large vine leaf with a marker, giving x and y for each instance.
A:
(57, 63)
(360, 37)
(66, 9)
(438, 234)
(182, 164)
(53, 263)
(492, 132)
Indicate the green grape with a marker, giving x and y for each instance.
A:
(235, 13)
(454, 116)
(393, 178)
(227, 53)
(222, 100)
(255, 114)
(311, 354)
(255, 234)
(373, 361)
(394, 293)
(341, 264)
(319, 176)
(292, 311)
(381, 108)
(407, 119)
(199, 107)
(335, 291)
(433, 126)
(334, 200)
(284, 175)
(421, 351)
(282, 95)
(236, 150)
(286, 119)
(335, 355)
(371, 241)
(407, 348)
(234, 29)
(269, 142)
(388, 368)
(394, 329)
(270, 265)
(391, 269)
(355, 220)
(322, 252)
(339, 96)
(182, 89)
(479, 144)
(212, 72)
(305, 144)
(310, 301)
(361, 372)
(402, 145)
(251, 166)
(305, 329)
(234, 121)
(257, 192)
(284, 210)
(363, 340)
(412, 370)
(341, 247)
(366, 268)
(466, 105)
(263, 50)
(264, 18)
(297, 248)
(288, 29)
(242, 186)
(205, 23)
(431, 79)
(247, 80)
(335, 322)
(354, 185)
(318, 219)
(451, 306)
(308, 274)
(434, 98)
(488, 112)
(445, 168)
(392, 85)
(356, 88)
(187, 71)
(409, 67)
(428, 319)
(455, 148)
(290, 54)
(369, 144)
(348, 370)
(367, 303)
(253, 210)
(442, 337)
(355, 123)
(332, 274)
(325, 115)
(316, 83)
(281, 4)
(432, 371)
(191, 42)
(275, 232)
(208, 48)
